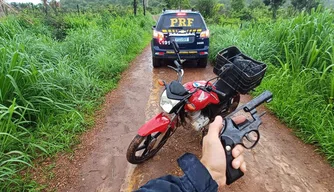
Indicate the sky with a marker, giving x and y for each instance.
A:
(24, 1)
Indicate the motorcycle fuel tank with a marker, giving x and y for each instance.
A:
(201, 98)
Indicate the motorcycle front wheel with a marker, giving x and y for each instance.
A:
(143, 148)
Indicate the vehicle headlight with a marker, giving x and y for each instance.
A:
(167, 104)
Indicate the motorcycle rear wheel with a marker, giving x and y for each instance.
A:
(233, 105)
(149, 144)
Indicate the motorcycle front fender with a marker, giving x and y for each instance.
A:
(158, 123)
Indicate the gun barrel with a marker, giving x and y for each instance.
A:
(266, 96)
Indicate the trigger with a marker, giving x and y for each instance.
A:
(223, 126)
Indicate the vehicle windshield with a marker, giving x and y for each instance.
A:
(181, 21)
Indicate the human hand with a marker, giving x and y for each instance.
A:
(213, 153)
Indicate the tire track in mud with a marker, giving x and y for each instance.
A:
(280, 162)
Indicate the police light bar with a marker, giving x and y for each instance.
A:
(181, 14)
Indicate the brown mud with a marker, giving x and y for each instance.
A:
(280, 162)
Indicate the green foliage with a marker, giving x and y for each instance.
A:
(237, 5)
(88, 4)
(256, 4)
(48, 84)
(274, 5)
(261, 15)
(233, 12)
(240, 11)
(208, 8)
(244, 14)
(305, 4)
(176, 4)
(301, 70)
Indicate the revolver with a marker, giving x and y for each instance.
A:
(246, 133)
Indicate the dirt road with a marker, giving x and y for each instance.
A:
(280, 162)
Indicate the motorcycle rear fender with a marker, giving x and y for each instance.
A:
(158, 123)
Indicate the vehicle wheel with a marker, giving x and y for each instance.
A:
(156, 62)
(202, 63)
(233, 105)
(143, 148)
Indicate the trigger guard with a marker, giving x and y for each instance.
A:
(258, 138)
(250, 139)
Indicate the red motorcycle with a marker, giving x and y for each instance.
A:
(195, 103)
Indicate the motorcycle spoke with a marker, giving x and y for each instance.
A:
(145, 146)
(145, 151)
(157, 135)
(141, 147)
(148, 140)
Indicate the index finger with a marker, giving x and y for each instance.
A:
(216, 126)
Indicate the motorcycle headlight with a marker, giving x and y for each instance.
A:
(167, 104)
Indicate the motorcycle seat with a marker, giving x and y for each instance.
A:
(177, 89)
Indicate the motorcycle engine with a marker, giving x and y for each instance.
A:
(198, 121)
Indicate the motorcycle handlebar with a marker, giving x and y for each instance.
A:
(177, 64)
(209, 88)
(219, 92)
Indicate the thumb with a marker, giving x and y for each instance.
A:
(215, 127)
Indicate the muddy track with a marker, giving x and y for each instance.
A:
(280, 162)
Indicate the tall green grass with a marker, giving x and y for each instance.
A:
(48, 84)
(300, 55)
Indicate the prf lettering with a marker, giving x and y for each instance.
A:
(181, 22)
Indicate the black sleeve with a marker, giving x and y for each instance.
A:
(196, 178)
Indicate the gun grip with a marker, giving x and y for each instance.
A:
(231, 173)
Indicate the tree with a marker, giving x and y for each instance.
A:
(176, 4)
(237, 5)
(206, 7)
(298, 4)
(144, 7)
(55, 5)
(135, 7)
(4, 8)
(256, 4)
(312, 4)
(274, 5)
(45, 3)
(305, 4)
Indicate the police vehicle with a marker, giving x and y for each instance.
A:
(188, 29)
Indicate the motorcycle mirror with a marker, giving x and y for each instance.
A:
(176, 47)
